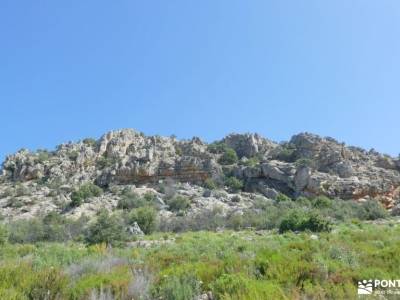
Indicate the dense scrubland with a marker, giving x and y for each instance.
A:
(283, 249)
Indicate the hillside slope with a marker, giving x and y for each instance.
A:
(33, 183)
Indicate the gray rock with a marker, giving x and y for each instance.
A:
(135, 229)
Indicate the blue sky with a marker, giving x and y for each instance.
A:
(74, 69)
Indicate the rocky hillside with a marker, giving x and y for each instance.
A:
(230, 172)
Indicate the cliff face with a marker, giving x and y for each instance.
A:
(306, 165)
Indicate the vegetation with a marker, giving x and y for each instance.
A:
(106, 229)
(130, 200)
(89, 142)
(145, 217)
(229, 157)
(210, 184)
(230, 265)
(234, 184)
(294, 254)
(300, 220)
(178, 203)
(84, 192)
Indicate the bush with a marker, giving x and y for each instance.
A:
(321, 202)
(217, 147)
(210, 184)
(298, 220)
(84, 192)
(105, 162)
(252, 162)
(130, 200)
(287, 152)
(229, 157)
(89, 142)
(178, 288)
(53, 228)
(372, 210)
(234, 184)
(304, 162)
(179, 203)
(106, 229)
(230, 285)
(145, 217)
(3, 234)
(282, 197)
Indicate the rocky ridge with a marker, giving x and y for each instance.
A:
(32, 183)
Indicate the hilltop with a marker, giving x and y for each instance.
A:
(230, 173)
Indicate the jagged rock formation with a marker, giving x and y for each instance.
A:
(306, 165)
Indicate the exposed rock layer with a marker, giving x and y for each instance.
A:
(306, 165)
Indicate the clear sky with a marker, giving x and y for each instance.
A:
(74, 69)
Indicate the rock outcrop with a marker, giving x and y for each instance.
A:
(307, 165)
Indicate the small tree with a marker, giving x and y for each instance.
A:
(84, 192)
(106, 229)
(179, 203)
(145, 217)
(234, 184)
(229, 157)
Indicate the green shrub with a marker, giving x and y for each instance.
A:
(304, 162)
(321, 202)
(229, 157)
(287, 152)
(230, 286)
(106, 229)
(298, 220)
(372, 210)
(217, 147)
(85, 192)
(282, 197)
(3, 234)
(145, 217)
(233, 183)
(105, 162)
(210, 184)
(130, 200)
(178, 288)
(43, 156)
(252, 162)
(89, 142)
(178, 203)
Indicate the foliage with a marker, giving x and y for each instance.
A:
(52, 227)
(105, 162)
(297, 220)
(3, 234)
(287, 152)
(373, 210)
(106, 229)
(282, 197)
(252, 162)
(233, 183)
(210, 184)
(178, 203)
(85, 192)
(89, 142)
(304, 162)
(232, 265)
(178, 288)
(217, 147)
(145, 218)
(229, 157)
